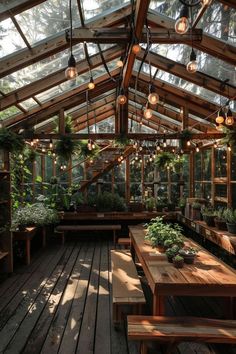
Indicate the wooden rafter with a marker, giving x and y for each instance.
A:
(200, 79)
(57, 43)
(199, 15)
(16, 6)
(209, 45)
(178, 97)
(55, 78)
(93, 120)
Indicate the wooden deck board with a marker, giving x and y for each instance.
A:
(62, 303)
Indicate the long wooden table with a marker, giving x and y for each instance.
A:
(208, 276)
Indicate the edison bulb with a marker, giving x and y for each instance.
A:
(153, 98)
(147, 113)
(71, 72)
(119, 63)
(136, 48)
(91, 85)
(121, 99)
(192, 66)
(182, 25)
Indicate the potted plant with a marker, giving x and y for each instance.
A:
(160, 203)
(220, 221)
(172, 252)
(164, 159)
(178, 261)
(158, 232)
(182, 205)
(230, 217)
(188, 254)
(208, 215)
(196, 210)
(150, 203)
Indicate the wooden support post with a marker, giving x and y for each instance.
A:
(213, 175)
(229, 177)
(61, 121)
(191, 175)
(127, 180)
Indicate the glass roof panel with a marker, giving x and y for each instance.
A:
(46, 19)
(183, 84)
(219, 21)
(9, 112)
(93, 8)
(10, 39)
(39, 70)
(28, 104)
(73, 84)
(207, 64)
(136, 127)
(170, 8)
(105, 126)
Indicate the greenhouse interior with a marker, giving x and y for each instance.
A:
(118, 176)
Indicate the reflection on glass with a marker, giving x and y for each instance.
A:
(96, 7)
(10, 39)
(220, 156)
(47, 19)
(206, 171)
(197, 167)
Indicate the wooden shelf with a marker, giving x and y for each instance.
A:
(221, 238)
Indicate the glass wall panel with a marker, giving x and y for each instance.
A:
(197, 167)
(221, 190)
(207, 190)
(220, 155)
(206, 168)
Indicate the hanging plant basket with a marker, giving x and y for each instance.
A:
(66, 147)
(10, 141)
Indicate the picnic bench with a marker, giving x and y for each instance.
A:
(62, 229)
(126, 286)
(174, 330)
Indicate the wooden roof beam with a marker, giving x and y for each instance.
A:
(66, 101)
(180, 96)
(200, 79)
(121, 35)
(209, 44)
(55, 44)
(55, 78)
(15, 7)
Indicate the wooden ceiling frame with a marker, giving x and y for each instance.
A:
(209, 44)
(176, 96)
(101, 117)
(150, 124)
(65, 101)
(55, 44)
(56, 78)
(16, 7)
(164, 111)
(198, 78)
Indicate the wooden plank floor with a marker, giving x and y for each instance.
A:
(61, 303)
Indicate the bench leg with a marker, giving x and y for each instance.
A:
(116, 314)
(158, 305)
(143, 348)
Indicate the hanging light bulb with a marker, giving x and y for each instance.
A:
(147, 112)
(164, 143)
(121, 99)
(182, 23)
(228, 147)
(220, 117)
(31, 142)
(192, 64)
(188, 143)
(229, 120)
(43, 149)
(153, 97)
(158, 147)
(89, 145)
(206, 2)
(119, 63)
(197, 148)
(215, 145)
(50, 144)
(91, 84)
(219, 127)
(136, 48)
(71, 71)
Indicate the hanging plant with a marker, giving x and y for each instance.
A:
(230, 137)
(84, 150)
(121, 141)
(30, 155)
(10, 141)
(164, 159)
(66, 147)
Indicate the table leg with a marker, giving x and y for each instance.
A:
(158, 305)
(28, 252)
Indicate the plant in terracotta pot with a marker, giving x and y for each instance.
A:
(172, 252)
(188, 254)
(208, 214)
(220, 221)
(230, 217)
(178, 261)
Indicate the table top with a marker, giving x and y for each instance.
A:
(208, 276)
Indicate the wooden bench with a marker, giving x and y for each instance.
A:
(61, 229)
(126, 286)
(173, 330)
(123, 241)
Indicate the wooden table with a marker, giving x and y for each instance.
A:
(208, 276)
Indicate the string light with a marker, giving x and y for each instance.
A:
(192, 64)
(119, 63)
(228, 147)
(182, 24)
(50, 144)
(197, 148)
(121, 99)
(220, 117)
(188, 143)
(91, 84)
(229, 120)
